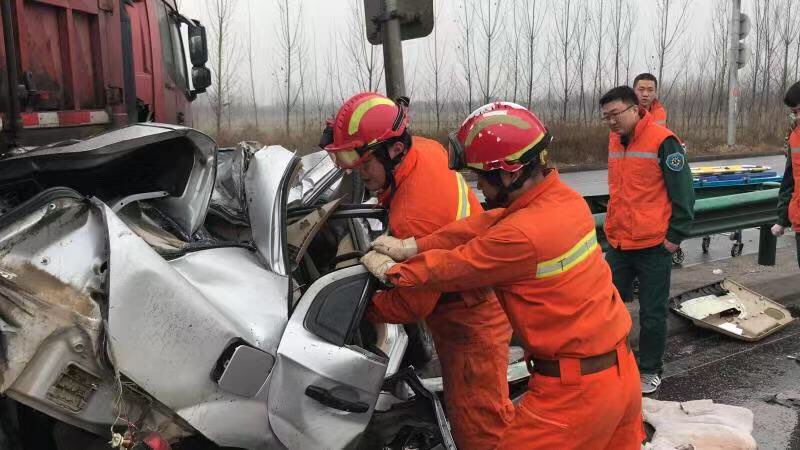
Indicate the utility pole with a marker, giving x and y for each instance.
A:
(392, 50)
(739, 54)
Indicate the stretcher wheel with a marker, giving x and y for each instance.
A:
(678, 257)
(706, 244)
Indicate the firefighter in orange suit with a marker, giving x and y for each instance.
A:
(540, 254)
(789, 194)
(470, 330)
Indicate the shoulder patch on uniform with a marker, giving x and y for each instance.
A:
(676, 161)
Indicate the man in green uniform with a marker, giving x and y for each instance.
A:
(650, 211)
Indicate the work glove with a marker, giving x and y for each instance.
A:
(377, 264)
(397, 249)
(777, 230)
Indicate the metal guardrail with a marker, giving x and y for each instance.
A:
(734, 212)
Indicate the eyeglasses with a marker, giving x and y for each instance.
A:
(614, 116)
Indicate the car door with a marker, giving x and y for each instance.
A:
(325, 382)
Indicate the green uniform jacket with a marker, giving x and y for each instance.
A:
(680, 191)
(785, 194)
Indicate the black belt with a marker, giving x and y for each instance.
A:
(590, 365)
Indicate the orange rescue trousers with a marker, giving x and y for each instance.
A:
(602, 410)
(474, 367)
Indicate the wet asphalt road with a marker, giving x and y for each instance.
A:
(702, 364)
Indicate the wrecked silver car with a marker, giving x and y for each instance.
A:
(155, 292)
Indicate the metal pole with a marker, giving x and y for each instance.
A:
(733, 72)
(12, 74)
(128, 71)
(392, 50)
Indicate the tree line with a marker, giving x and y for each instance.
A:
(555, 57)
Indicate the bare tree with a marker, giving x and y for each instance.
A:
(302, 58)
(788, 11)
(626, 44)
(671, 19)
(797, 59)
(598, 24)
(334, 74)
(719, 56)
(289, 37)
(581, 53)
(565, 27)
(320, 89)
(685, 97)
(491, 18)
(620, 27)
(436, 62)
(466, 17)
(365, 59)
(513, 50)
(411, 81)
(250, 61)
(770, 47)
(758, 21)
(223, 58)
(533, 15)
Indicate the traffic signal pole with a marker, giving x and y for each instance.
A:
(733, 72)
(739, 54)
(393, 51)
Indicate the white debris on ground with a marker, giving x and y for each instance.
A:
(698, 425)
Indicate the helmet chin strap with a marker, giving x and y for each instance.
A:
(389, 165)
(502, 199)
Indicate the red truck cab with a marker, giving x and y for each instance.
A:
(82, 66)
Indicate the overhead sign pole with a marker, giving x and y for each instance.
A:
(392, 51)
(739, 54)
(389, 23)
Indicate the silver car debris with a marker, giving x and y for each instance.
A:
(154, 290)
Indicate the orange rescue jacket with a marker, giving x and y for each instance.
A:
(428, 196)
(542, 257)
(794, 205)
(658, 112)
(639, 208)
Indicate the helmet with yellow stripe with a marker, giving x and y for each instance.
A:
(365, 121)
(500, 135)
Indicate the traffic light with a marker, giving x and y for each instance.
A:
(743, 50)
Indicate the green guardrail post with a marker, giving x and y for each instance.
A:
(767, 246)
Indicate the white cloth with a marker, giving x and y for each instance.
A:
(698, 425)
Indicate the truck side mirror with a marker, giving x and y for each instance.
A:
(198, 46)
(201, 79)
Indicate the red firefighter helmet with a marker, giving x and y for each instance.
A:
(500, 135)
(364, 121)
